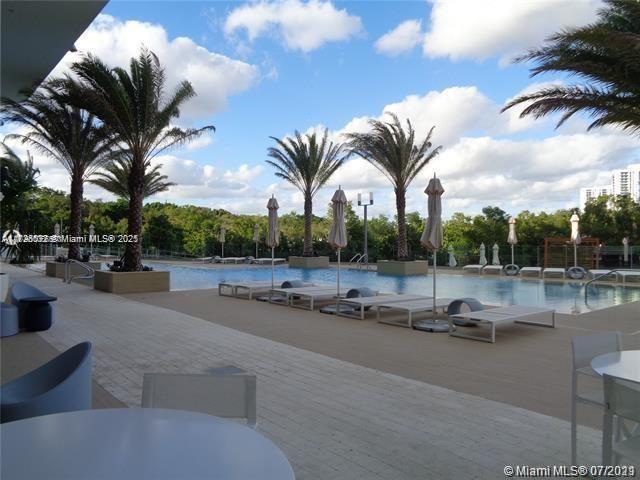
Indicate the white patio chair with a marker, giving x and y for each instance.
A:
(621, 402)
(585, 348)
(227, 396)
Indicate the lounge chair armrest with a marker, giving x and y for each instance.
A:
(39, 299)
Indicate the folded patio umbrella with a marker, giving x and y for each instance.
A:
(452, 258)
(625, 249)
(575, 236)
(432, 235)
(256, 236)
(512, 239)
(483, 256)
(273, 238)
(221, 239)
(338, 233)
(496, 258)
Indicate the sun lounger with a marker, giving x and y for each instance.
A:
(494, 316)
(307, 296)
(623, 274)
(412, 307)
(289, 293)
(364, 303)
(530, 271)
(267, 261)
(475, 268)
(603, 274)
(232, 259)
(494, 269)
(554, 272)
(247, 289)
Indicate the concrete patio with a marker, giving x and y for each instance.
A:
(336, 411)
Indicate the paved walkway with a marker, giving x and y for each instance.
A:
(333, 419)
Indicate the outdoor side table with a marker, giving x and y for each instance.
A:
(8, 320)
(137, 443)
(624, 364)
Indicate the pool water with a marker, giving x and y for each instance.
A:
(564, 297)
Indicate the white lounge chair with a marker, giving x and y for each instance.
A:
(554, 272)
(232, 259)
(623, 274)
(530, 271)
(362, 303)
(493, 269)
(412, 307)
(231, 289)
(604, 274)
(267, 261)
(474, 268)
(307, 294)
(493, 316)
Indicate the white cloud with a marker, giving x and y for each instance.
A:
(470, 29)
(300, 26)
(214, 77)
(202, 141)
(401, 39)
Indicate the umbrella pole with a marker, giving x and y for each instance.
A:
(223, 250)
(575, 254)
(256, 249)
(434, 284)
(272, 266)
(338, 293)
(512, 256)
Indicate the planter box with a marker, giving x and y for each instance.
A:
(131, 282)
(394, 267)
(309, 262)
(56, 269)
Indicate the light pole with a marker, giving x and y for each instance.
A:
(56, 232)
(92, 231)
(365, 202)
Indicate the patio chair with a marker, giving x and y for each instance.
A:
(621, 402)
(530, 271)
(35, 312)
(584, 349)
(63, 384)
(493, 269)
(473, 268)
(227, 396)
(554, 271)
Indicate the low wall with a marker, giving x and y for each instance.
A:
(132, 282)
(394, 267)
(309, 262)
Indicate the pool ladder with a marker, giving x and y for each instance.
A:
(67, 271)
(586, 284)
(358, 261)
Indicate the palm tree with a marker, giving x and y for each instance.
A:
(66, 133)
(115, 179)
(307, 165)
(134, 107)
(399, 157)
(606, 56)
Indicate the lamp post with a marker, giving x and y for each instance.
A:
(92, 232)
(56, 232)
(364, 201)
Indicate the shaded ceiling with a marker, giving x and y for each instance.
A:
(35, 35)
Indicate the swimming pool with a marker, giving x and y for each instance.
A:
(564, 297)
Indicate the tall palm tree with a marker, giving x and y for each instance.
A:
(134, 107)
(66, 133)
(399, 156)
(115, 179)
(307, 165)
(606, 55)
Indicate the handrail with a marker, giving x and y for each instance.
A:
(602, 275)
(356, 258)
(67, 271)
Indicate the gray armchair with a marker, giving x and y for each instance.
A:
(61, 385)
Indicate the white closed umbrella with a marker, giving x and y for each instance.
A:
(625, 249)
(273, 238)
(432, 235)
(575, 236)
(483, 255)
(512, 239)
(338, 233)
(256, 236)
(221, 238)
(452, 258)
(496, 258)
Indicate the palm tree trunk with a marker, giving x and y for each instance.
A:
(307, 250)
(76, 214)
(403, 251)
(133, 252)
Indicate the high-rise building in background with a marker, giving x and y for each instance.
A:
(625, 181)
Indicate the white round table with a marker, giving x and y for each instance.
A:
(625, 364)
(137, 443)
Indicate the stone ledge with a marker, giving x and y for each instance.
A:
(309, 262)
(131, 282)
(396, 267)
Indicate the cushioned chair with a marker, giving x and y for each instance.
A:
(61, 385)
(35, 312)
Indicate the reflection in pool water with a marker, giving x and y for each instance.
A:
(565, 297)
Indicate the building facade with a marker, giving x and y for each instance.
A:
(624, 181)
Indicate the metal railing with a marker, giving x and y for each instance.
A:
(603, 275)
(68, 278)
(358, 261)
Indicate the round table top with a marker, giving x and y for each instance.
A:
(137, 443)
(625, 364)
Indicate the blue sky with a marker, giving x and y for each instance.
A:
(268, 68)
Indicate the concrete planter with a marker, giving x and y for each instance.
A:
(394, 267)
(131, 282)
(309, 262)
(56, 269)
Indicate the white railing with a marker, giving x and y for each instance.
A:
(67, 271)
